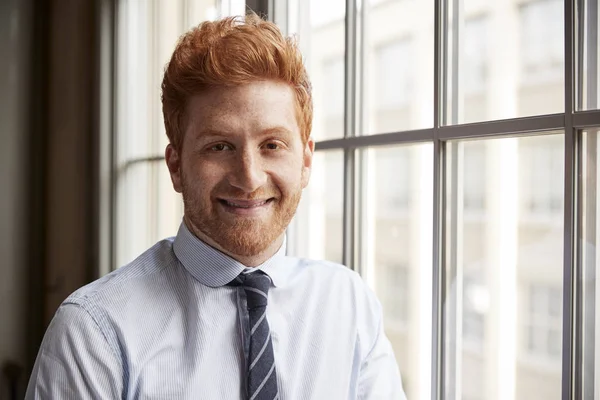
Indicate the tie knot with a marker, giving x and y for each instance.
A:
(256, 285)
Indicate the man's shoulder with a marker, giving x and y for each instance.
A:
(128, 279)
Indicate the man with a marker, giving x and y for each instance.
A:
(219, 311)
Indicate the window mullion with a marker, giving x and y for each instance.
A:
(439, 115)
(350, 176)
(570, 325)
(438, 291)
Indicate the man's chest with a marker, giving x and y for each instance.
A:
(316, 356)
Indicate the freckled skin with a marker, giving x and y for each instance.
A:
(242, 168)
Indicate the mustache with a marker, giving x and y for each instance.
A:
(232, 192)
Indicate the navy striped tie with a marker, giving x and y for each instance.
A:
(262, 377)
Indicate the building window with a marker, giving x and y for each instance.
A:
(394, 75)
(392, 181)
(475, 55)
(542, 178)
(544, 321)
(395, 295)
(333, 87)
(332, 100)
(475, 304)
(542, 37)
(474, 176)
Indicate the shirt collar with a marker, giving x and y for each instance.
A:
(214, 268)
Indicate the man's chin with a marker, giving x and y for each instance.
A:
(245, 246)
(240, 236)
(246, 236)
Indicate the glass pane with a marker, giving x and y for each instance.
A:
(505, 59)
(590, 241)
(398, 65)
(589, 56)
(396, 255)
(148, 209)
(504, 268)
(320, 26)
(146, 37)
(316, 231)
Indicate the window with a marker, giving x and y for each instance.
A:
(475, 178)
(321, 25)
(541, 86)
(317, 229)
(476, 46)
(476, 304)
(589, 339)
(394, 75)
(465, 207)
(391, 173)
(542, 51)
(395, 295)
(333, 71)
(488, 260)
(504, 60)
(395, 232)
(588, 97)
(500, 167)
(545, 323)
(147, 208)
(542, 178)
(393, 64)
(326, 13)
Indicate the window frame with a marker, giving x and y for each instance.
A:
(572, 122)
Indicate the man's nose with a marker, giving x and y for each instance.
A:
(248, 173)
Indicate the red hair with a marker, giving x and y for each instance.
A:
(228, 52)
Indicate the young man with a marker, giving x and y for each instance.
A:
(219, 311)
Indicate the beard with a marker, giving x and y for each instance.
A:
(239, 235)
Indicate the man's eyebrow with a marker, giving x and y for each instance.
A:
(275, 130)
(218, 132)
(211, 132)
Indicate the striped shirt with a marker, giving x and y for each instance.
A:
(166, 326)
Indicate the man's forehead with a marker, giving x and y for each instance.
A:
(249, 108)
(258, 88)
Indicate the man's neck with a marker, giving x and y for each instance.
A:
(249, 261)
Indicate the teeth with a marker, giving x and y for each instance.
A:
(242, 206)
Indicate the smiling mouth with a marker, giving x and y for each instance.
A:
(248, 204)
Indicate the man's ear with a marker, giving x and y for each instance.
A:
(173, 159)
(309, 151)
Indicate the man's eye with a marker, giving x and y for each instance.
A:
(219, 147)
(272, 146)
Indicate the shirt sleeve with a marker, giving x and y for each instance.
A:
(75, 361)
(379, 377)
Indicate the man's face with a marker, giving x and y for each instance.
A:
(242, 166)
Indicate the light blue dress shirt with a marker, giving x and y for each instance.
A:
(166, 327)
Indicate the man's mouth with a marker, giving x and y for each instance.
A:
(248, 204)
